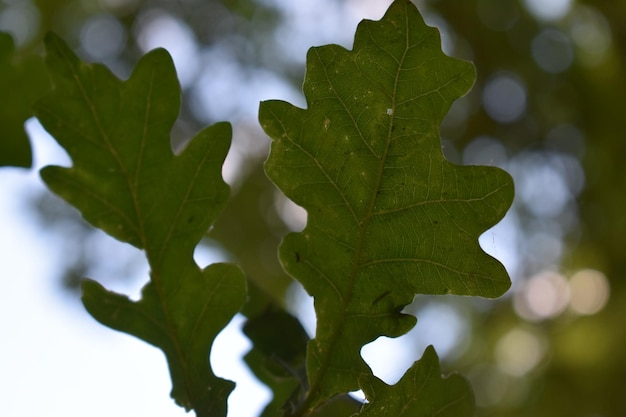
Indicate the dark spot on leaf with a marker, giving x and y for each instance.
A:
(297, 257)
(380, 297)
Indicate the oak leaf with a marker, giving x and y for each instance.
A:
(388, 216)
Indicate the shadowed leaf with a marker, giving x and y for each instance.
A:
(277, 357)
(126, 181)
(21, 82)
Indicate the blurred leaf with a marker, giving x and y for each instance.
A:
(269, 332)
(421, 392)
(21, 82)
(388, 216)
(250, 230)
(277, 357)
(126, 181)
(278, 360)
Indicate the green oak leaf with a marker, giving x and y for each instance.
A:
(126, 181)
(22, 80)
(421, 392)
(277, 357)
(388, 215)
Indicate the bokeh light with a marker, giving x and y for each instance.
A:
(546, 182)
(543, 243)
(485, 150)
(548, 9)
(504, 98)
(519, 351)
(591, 33)
(589, 292)
(543, 296)
(548, 294)
(20, 19)
(102, 36)
(158, 29)
(552, 50)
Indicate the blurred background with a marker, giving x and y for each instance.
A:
(548, 106)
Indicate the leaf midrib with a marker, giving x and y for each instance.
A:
(133, 190)
(363, 226)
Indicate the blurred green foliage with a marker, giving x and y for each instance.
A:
(23, 80)
(547, 105)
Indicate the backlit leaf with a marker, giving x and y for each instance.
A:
(126, 181)
(388, 215)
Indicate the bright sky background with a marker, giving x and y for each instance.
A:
(55, 359)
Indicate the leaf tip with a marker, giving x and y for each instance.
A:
(52, 41)
(90, 291)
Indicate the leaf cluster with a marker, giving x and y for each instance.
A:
(388, 216)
